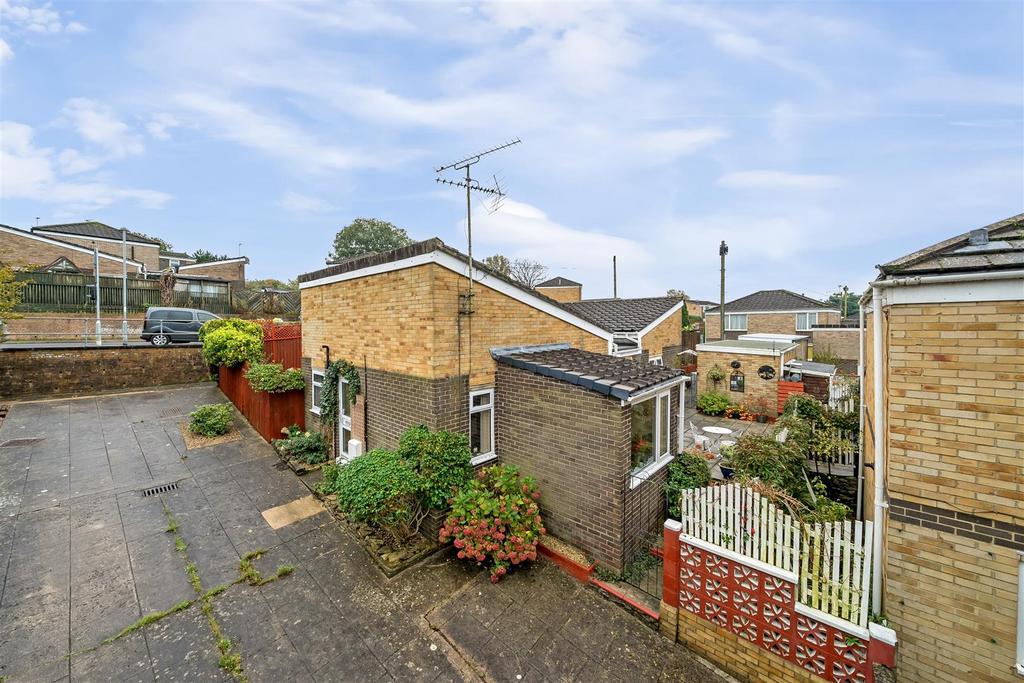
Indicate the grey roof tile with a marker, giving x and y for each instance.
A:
(559, 282)
(1004, 250)
(624, 315)
(772, 300)
(92, 229)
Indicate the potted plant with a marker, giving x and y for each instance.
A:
(762, 408)
(728, 471)
(716, 375)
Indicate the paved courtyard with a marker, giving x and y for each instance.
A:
(84, 555)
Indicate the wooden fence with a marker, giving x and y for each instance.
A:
(68, 292)
(283, 344)
(831, 562)
(787, 389)
(257, 302)
(268, 413)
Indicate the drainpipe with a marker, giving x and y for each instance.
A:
(861, 408)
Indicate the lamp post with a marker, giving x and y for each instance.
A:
(723, 249)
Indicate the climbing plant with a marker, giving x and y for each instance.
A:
(334, 373)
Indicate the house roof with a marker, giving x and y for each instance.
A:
(772, 300)
(617, 377)
(204, 264)
(93, 229)
(378, 262)
(624, 315)
(177, 254)
(756, 347)
(812, 368)
(700, 302)
(559, 282)
(998, 246)
(67, 245)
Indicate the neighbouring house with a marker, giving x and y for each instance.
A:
(41, 252)
(644, 327)
(775, 311)
(231, 270)
(561, 289)
(428, 351)
(943, 391)
(696, 307)
(752, 369)
(172, 260)
(107, 239)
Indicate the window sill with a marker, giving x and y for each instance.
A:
(640, 476)
(315, 411)
(482, 458)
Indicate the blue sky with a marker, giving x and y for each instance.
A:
(817, 139)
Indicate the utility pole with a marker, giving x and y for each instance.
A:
(846, 294)
(615, 278)
(96, 273)
(723, 249)
(124, 286)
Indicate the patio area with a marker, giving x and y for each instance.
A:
(737, 428)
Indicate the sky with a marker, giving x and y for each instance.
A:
(817, 138)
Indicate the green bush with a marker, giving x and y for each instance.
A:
(764, 458)
(273, 378)
(687, 471)
(496, 520)
(713, 403)
(799, 433)
(379, 489)
(826, 510)
(231, 347)
(310, 447)
(805, 406)
(246, 326)
(441, 461)
(210, 420)
(716, 374)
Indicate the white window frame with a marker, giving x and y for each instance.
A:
(730, 326)
(492, 454)
(1020, 613)
(638, 477)
(344, 421)
(656, 360)
(314, 385)
(807, 317)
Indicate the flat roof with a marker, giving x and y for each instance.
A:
(757, 347)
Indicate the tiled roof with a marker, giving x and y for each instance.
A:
(997, 246)
(624, 315)
(93, 229)
(608, 375)
(772, 300)
(177, 254)
(559, 282)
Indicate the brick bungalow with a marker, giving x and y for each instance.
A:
(105, 239)
(561, 289)
(644, 327)
(231, 270)
(773, 311)
(944, 424)
(423, 345)
(752, 367)
(37, 251)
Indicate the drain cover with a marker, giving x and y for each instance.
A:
(28, 441)
(173, 412)
(163, 488)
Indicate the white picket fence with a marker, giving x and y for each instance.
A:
(841, 395)
(831, 562)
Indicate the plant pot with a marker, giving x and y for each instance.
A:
(727, 471)
(763, 419)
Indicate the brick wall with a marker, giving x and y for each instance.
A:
(756, 389)
(20, 251)
(52, 327)
(774, 323)
(563, 294)
(954, 394)
(668, 333)
(576, 444)
(844, 342)
(232, 272)
(148, 254)
(45, 373)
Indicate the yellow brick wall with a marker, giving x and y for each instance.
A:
(150, 255)
(756, 389)
(406, 321)
(563, 294)
(773, 323)
(233, 272)
(667, 333)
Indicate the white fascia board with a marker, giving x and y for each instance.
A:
(112, 240)
(659, 388)
(729, 311)
(662, 318)
(213, 263)
(955, 292)
(739, 349)
(558, 286)
(68, 245)
(462, 268)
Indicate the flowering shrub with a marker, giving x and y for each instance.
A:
(496, 520)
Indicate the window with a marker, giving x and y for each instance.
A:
(1020, 614)
(481, 424)
(656, 360)
(174, 263)
(651, 438)
(805, 321)
(182, 316)
(735, 322)
(203, 317)
(318, 384)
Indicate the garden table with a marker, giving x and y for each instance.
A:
(718, 432)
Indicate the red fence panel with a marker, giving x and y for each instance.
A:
(787, 389)
(283, 344)
(267, 413)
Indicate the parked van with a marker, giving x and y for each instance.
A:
(173, 325)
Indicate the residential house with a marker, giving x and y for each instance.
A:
(107, 239)
(645, 327)
(943, 392)
(428, 351)
(752, 369)
(172, 260)
(776, 311)
(232, 270)
(37, 251)
(561, 289)
(695, 307)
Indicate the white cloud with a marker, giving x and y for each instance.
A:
(301, 203)
(159, 124)
(97, 124)
(778, 180)
(36, 19)
(6, 53)
(27, 172)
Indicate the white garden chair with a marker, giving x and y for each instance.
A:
(699, 439)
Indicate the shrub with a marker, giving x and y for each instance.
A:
(826, 510)
(716, 374)
(764, 458)
(805, 406)
(495, 520)
(273, 377)
(310, 447)
(210, 420)
(713, 403)
(799, 433)
(246, 326)
(441, 461)
(229, 346)
(379, 489)
(688, 471)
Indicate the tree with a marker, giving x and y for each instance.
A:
(527, 272)
(271, 283)
(10, 295)
(835, 300)
(367, 236)
(164, 244)
(204, 256)
(677, 292)
(499, 264)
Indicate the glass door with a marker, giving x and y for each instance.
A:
(344, 420)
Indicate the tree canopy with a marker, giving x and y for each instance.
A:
(204, 256)
(526, 272)
(676, 292)
(852, 302)
(367, 236)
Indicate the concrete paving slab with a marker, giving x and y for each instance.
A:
(292, 512)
